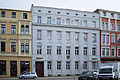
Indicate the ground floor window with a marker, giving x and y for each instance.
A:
(2, 67)
(24, 66)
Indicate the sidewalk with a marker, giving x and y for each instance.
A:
(47, 78)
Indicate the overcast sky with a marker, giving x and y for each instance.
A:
(84, 5)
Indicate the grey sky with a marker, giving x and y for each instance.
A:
(84, 5)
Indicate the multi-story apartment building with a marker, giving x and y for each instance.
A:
(109, 35)
(15, 42)
(65, 41)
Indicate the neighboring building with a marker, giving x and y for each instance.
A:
(15, 42)
(65, 41)
(109, 35)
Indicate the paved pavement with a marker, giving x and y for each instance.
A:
(47, 78)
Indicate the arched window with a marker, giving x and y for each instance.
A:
(22, 29)
(27, 29)
(26, 47)
(22, 47)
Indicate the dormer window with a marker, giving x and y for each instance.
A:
(76, 14)
(49, 11)
(67, 13)
(104, 13)
(112, 15)
(58, 12)
(39, 10)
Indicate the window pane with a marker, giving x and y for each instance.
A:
(13, 46)
(27, 47)
(3, 28)
(24, 15)
(27, 29)
(13, 29)
(3, 46)
(13, 14)
(2, 67)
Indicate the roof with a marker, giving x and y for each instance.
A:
(15, 10)
(97, 10)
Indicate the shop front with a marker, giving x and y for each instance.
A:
(13, 67)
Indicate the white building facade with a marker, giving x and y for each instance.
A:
(65, 42)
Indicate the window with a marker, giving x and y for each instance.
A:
(76, 50)
(113, 52)
(112, 15)
(13, 14)
(39, 34)
(112, 26)
(27, 47)
(112, 38)
(58, 21)
(27, 29)
(94, 37)
(49, 34)
(103, 38)
(49, 20)
(118, 27)
(13, 46)
(68, 65)
(2, 67)
(58, 65)
(85, 65)
(58, 35)
(103, 26)
(107, 39)
(49, 48)
(118, 15)
(2, 13)
(13, 29)
(85, 23)
(67, 21)
(2, 46)
(94, 51)
(104, 13)
(106, 25)
(49, 65)
(24, 15)
(118, 38)
(58, 12)
(67, 50)
(3, 28)
(76, 36)
(118, 51)
(94, 65)
(22, 47)
(49, 11)
(39, 10)
(85, 36)
(107, 51)
(39, 19)
(93, 23)
(68, 36)
(76, 22)
(22, 29)
(67, 13)
(85, 50)
(39, 49)
(76, 65)
(103, 51)
(58, 50)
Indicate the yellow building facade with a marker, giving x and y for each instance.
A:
(15, 42)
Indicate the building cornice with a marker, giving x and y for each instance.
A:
(65, 26)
